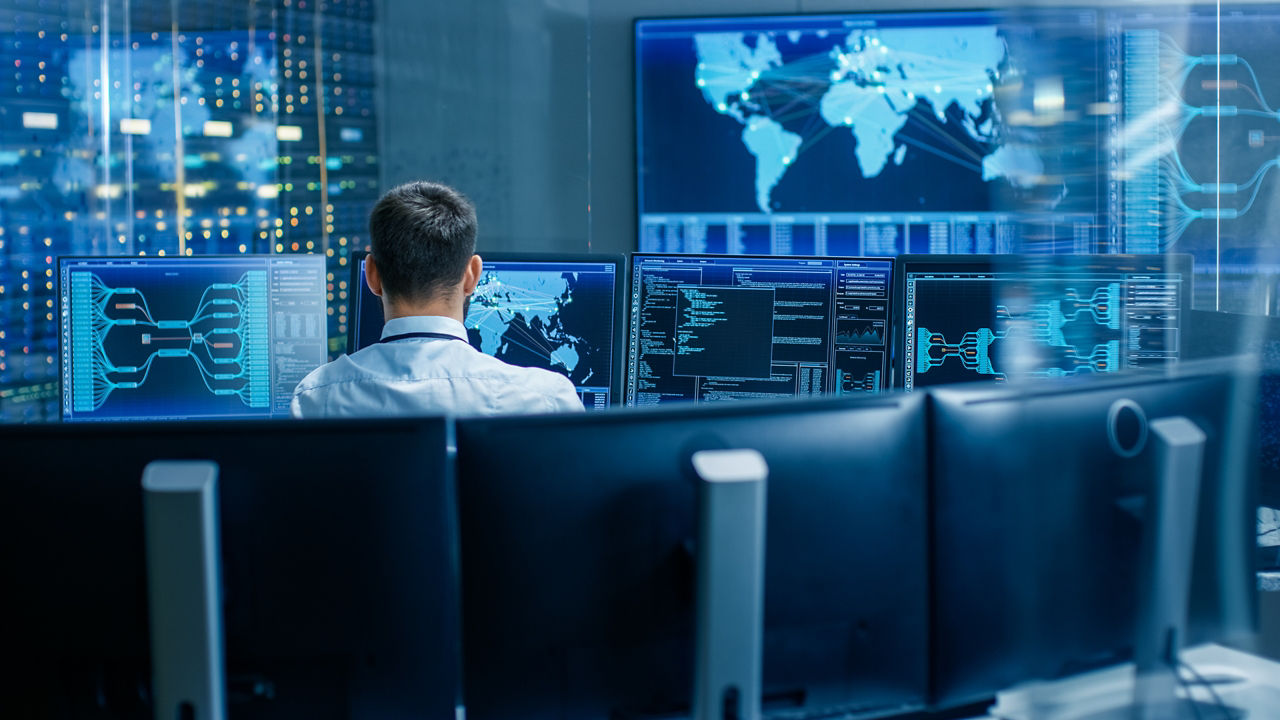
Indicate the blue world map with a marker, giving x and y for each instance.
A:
(880, 118)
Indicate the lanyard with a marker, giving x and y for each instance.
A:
(430, 335)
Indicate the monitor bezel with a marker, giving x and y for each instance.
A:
(890, 294)
(1174, 263)
(62, 259)
(618, 260)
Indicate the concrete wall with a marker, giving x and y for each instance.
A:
(491, 97)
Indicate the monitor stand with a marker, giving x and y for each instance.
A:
(1168, 547)
(184, 589)
(1150, 691)
(730, 583)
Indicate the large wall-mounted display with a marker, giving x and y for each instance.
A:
(856, 134)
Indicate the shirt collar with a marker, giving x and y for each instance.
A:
(424, 323)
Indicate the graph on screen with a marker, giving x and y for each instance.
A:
(971, 320)
(188, 337)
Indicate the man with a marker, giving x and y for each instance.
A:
(423, 265)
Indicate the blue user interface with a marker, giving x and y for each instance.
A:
(557, 315)
(189, 337)
(708, 327)
(973, 318)
(867, 134)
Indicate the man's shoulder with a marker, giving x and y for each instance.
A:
(523, 383)
(333, 371)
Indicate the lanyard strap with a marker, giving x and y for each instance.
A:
(430, 335)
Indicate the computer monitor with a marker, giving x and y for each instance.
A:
(860, 133)
(578, 556)
(338, 556)
(1037, 536)
(726, 327)
(184, 338)
(559, 312)
(990, 317)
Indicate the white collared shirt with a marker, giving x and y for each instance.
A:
(428, 376)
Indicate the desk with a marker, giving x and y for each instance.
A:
(1242, 680)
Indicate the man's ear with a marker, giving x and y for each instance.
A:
(471, 277)
(371, 276)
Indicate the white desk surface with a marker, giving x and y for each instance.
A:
(1244, 681)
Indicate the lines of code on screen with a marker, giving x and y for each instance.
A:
(711, 328)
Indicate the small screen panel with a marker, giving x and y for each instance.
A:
(213, 337)
(986, 318)
(714, 327)
(556, 312)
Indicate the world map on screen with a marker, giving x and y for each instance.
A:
(891, 118)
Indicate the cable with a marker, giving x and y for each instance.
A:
(1217, 699)
(1191, 699)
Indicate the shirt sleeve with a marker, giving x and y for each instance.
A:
(565, 396)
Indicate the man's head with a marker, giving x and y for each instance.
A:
(423, 242)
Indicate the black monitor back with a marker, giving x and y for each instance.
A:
(1037, 525)
(578, 570)
(339, 566)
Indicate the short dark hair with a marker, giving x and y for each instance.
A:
(422, 236)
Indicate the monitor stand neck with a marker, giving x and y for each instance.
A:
(1168, 547)
(730, 584)
(184, 589)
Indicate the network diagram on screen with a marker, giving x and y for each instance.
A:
(1194, 137)
(708, 328)
(969, 324)
(194, 337)
(867, 134)
(550, 314)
